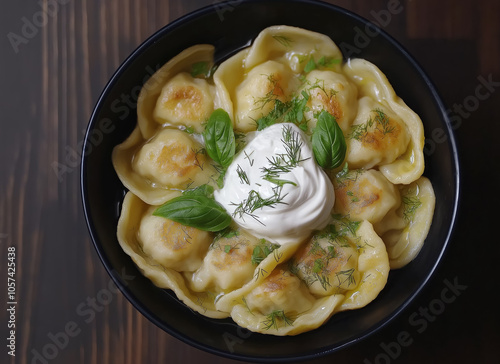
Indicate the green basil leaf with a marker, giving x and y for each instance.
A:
(219, 138)
(328, 142)
(197, 211)
(202, 190)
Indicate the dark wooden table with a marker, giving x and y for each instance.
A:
(56, 57)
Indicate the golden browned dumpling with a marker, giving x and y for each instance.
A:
(256, 95)
(377, 136)
(171, 244)
(331, 91)
(185, 100)
(365, 195)
(228, 264)
(172, 159)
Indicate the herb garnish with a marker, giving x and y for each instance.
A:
(324, 61)
(291, 111)
(261, 251)
(219, 138)
(410, 207)
(277, 318)
(328, 142)
(283, 40)
(254, 202)
(284, 163)
(196, 208)
(202, 69)
(380, 121)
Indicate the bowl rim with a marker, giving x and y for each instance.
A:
(451, 140)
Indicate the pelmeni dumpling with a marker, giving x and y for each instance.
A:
(171, 244)
(404, 231)
(157, 169)
(159, 250)
(377, 137)
(331, 91)
(186, 101)
(256, 95)
(328, 264)
(364, 195)
(408, 165)
(293, 46)
(175, 85)
(228, 264)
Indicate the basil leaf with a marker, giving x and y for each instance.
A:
(219, 138)
(202, 190)
(328, 142)
(197, 211)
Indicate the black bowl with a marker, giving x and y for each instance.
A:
(226, 26)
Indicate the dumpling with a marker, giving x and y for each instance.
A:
(373, 265)
(331, 91)
(347, 258)
(171, 244)
(293, 46)
(160, 239)
(327, 265)
(364, 195)
(280, 291)
(371, 82)
(377, 136)
(147, 102)
(228, 264)
(256, 95)
(185, 100)
(404, 231)
(158, 169)
(171, 159)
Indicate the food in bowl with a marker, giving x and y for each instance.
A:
(278, 187)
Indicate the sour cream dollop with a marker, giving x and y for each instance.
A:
(272, 196)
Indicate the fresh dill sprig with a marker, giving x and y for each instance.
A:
(349, 277)
(247, 156)
(381, 122)
(283, 40)
(291, 111)
(255, 201)
(262, 250)
(270, 96)
(242, 175)
(284, 163)
(277, 319)
(410, 207)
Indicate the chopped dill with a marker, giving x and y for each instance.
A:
(291, 111)
(349, 277)
(410, 207)
(381, 122)
(255, 201)
(242, 175)
(283, 40)
(277, 319)
(261, 251)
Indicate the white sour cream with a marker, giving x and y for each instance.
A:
(302, 204)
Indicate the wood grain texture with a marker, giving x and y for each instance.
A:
(50, 84)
